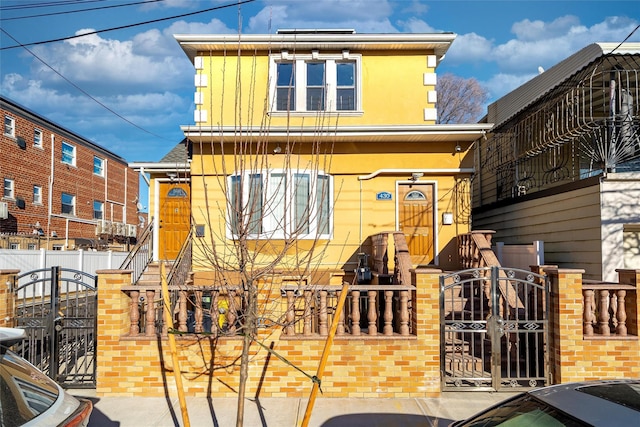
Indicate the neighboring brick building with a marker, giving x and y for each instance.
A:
(57, 184)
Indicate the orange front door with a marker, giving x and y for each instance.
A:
(415, 210)
(175, 219)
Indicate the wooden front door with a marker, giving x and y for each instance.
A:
(175, 219)
(415, 211)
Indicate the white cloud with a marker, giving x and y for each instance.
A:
(539, 30)
(101, 65)
(501, 83)
(365, 16)
(468, 48)
(415, 25)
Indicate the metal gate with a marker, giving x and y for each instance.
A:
(494, 329)
(57, 309)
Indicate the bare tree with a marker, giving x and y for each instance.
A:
(460, 100)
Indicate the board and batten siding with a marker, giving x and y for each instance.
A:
(569, 225)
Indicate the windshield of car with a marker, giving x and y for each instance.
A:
(25, 392)
(625, 394)
(523, 411)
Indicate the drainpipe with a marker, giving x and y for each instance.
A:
(50, 195)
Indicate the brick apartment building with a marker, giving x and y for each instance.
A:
(59, 188)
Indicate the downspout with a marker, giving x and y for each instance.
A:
(126, 187)
(50, 195)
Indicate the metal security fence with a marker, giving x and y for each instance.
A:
(57, 309)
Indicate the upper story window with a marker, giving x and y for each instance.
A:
(68, 204)
(98, 166)
(281, 204)
(68, 154)
(310, 83)
(37, 195)
(9, 189)
(9, 126)
(37, 138)
(98, 209)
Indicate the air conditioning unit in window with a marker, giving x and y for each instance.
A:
(106, 226)
(132, 230)
(119, 229)
(4, 210)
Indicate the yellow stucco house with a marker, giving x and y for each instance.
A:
(325, 137)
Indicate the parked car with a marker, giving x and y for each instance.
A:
(31, 399)
(590, 403)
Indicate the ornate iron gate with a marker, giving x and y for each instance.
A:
(494, 329)
(57, 309)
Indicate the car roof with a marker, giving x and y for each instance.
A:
(602, 402)
(11, 336)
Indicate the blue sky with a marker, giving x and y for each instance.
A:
(145, 81)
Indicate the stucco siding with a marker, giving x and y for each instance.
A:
(620, 208)
(568, 224)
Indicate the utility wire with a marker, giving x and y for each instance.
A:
(122, 27)
(79, 10)
(50, 4)
(83, 91)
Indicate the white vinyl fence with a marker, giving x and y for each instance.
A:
(520, 256)
(86, 261)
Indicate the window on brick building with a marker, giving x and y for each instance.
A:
(9, 126)
(9, 189)
(98, 166)
(98, 209)
(37, 195)
(37, 138)
(68, 154)
(68, 204)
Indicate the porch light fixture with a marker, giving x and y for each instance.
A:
(277, 150)
(416, 176)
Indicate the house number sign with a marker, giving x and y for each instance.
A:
(383, 195)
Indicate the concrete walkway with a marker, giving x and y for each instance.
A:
(288, 412)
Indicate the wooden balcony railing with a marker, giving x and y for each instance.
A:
(605, 308)
(307, 311)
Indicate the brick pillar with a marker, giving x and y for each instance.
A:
(631, 277)
(565, 323)
(7, 297)
(425, 317)
(113, 322)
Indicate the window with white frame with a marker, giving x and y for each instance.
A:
(9, 126)
(98, 209)
(280, 204)
(315, 82)
(9, 189)
(68, 204)
(37, 138)
(37, 195)
(68, 154)
(98, 166)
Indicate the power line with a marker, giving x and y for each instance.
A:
(122, 27)
(79, 10)
(50, 4)
(83, 91)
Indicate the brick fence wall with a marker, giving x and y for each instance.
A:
(383, 367)
(379, 367)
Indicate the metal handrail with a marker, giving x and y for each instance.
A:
(182, 265)
(141, 254)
